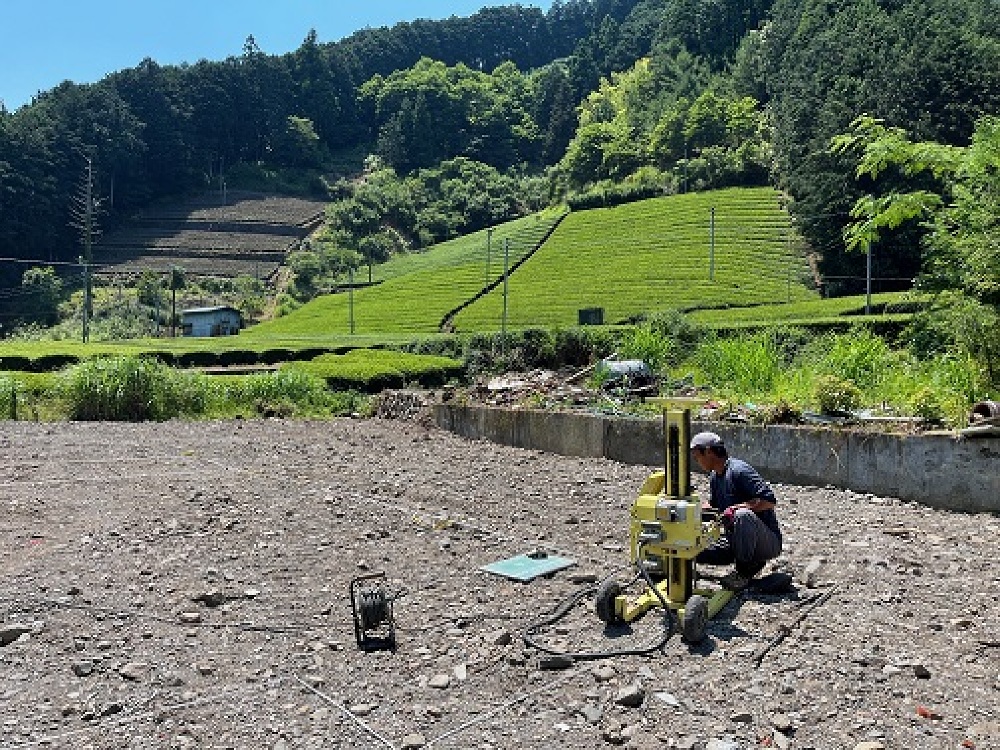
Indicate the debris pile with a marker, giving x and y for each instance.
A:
(413, 405)
(537, 388)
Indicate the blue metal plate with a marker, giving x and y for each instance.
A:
(528, 567)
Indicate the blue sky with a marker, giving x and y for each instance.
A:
(45, 42)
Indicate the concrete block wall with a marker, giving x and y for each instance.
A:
(939, 470)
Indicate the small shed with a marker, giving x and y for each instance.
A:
(211, 321)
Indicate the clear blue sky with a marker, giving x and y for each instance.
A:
(45, 42)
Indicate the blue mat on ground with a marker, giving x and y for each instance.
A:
(529, 566)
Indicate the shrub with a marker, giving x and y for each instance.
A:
(275, 356)
(859, 356)
(927, 404)
(538, 347)
(167, 358)
(834, 394)
(612, 194)
(9, 362)
(237, 357)
(679, 328)
(197, 359)
(371, 370)
(954, 322)
(52, 362)
(581, 346)
(643, 343)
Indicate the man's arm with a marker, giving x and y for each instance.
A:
(751, 485)
(759, 505)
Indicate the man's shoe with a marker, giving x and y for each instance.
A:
(749, 570)
(734, 581)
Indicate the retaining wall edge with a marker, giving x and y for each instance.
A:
(938, 470)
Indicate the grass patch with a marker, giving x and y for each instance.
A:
(132, 389)
(128, 388)
(856, 370)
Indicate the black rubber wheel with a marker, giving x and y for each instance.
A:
(607, 592)
(695, 619)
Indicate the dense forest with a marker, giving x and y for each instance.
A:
(465, 122)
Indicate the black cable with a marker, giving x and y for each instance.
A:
(562, 609)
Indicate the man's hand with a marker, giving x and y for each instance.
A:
(759, 505)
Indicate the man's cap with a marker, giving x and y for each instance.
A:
(706, 440)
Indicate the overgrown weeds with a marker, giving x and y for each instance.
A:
(137, 389)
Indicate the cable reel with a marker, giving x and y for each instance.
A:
(372, 607)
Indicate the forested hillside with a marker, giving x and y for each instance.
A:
(466, 122)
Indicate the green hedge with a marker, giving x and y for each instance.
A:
(52, 362)
(370, 371)
(198, 359)
(16, 363)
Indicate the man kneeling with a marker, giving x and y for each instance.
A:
(746, 503)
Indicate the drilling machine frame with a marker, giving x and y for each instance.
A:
(668, 528)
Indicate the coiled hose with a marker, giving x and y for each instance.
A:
(563, 608)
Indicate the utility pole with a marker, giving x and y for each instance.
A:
(868, 278)
(506, 274)
(788, 252)
(684, 189)
(222, 179)
(83, 220)
(88, 250)
(350, 299)
(489, 241)
(711, 248)
(177, 281)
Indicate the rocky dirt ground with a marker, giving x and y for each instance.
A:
(185, 585)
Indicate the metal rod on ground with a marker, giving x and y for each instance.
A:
(384, 740)
(499, 709)
(786, 629)
(120, 721)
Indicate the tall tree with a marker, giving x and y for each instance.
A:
(829, 63)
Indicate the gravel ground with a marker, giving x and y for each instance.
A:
(185, 585)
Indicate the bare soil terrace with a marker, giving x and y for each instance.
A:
(185, 585)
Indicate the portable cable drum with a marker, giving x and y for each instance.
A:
(372, 607)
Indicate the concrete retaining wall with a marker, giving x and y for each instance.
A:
(941, 471)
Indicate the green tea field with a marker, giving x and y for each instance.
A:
(731, 247)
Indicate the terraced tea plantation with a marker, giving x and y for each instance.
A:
(415, 293)
(652, 255)
(247, 235)
(628, 260)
